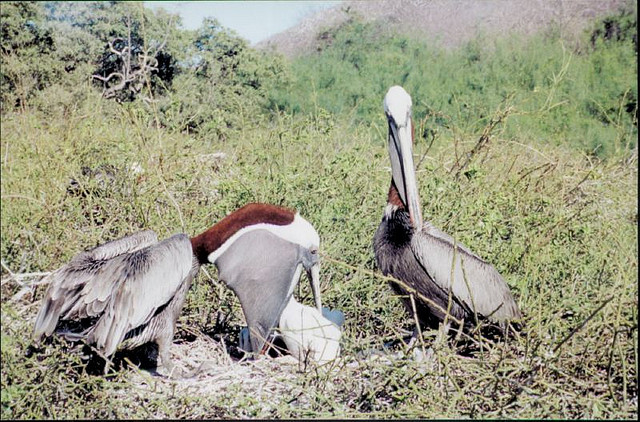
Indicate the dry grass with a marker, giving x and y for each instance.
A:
(559, 226)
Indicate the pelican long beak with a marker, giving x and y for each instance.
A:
(314, 278)
(402, 170)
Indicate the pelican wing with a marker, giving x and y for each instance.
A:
(66, 295)
(125, 244)
(146, 281)
(472, 281)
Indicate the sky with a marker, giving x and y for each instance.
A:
(252, 20)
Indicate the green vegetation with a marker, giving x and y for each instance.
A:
(583, 96)
(549, 196)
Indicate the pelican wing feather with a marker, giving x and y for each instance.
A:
(473, 281)
(147, 281)
(66, 295)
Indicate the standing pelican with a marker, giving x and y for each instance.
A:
(422, 256)
(130, 291)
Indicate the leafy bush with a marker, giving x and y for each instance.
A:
(28, 63)
(222, 86)
(585, 100)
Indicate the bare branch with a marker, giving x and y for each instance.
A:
(112, 48)
(102, 78)
(136, 64)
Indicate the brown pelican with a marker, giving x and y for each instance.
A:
(422, 256)
(309, 334)
(130, 291)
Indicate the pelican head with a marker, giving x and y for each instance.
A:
(397, 107)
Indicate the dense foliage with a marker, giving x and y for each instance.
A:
(208, 81)
(502, 127)
(579, 95)
(205, 81)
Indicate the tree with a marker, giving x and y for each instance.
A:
(126, 44)
(27, 49)
(222, 83)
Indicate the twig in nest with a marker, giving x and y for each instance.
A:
(19, 276)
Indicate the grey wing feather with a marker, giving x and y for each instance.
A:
(147, 280)
(95, 295)
(125, 244)
(65, 296)
(475, 282)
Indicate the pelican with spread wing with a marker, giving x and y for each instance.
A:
(130, 291)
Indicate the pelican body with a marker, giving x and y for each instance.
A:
(130, 291)
(446, 275)
(260, 251)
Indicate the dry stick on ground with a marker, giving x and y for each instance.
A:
(577, 186)
(526, 172)
(417, 322)
(555, 355)
(18, 276)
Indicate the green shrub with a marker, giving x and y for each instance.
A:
(586, 100)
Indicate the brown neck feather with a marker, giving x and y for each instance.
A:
(250, 214)
(394, 197)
